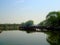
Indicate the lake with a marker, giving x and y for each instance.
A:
(29, 37)
(17, 37)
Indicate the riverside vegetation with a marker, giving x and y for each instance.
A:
(52, 20)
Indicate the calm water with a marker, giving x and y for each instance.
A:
(23, 38)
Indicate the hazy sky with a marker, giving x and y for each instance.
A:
(17, 11)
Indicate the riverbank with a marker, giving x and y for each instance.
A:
(9, 26)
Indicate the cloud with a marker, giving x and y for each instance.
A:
(19, 1)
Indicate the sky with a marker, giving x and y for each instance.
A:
(18, 11)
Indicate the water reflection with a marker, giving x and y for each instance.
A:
(17, 37)
(29, 31)
(53, 37)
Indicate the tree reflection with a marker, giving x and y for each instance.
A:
(53, 37)
(29, 30)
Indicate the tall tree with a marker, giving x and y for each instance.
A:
(53, 18)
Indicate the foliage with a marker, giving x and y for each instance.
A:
(43, 23)
(28, 23)
(52, 19)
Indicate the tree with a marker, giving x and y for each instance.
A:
(43, 23)
(29, 23)
(25, 26)
(53, 18)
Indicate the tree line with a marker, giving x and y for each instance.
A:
(52, 20)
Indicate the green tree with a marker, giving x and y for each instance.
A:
(29, 23)
(43, 23)
(53, 18)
